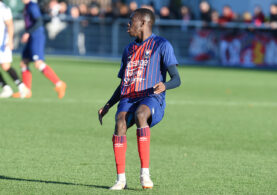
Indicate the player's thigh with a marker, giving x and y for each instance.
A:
(129, 107)
(120, 124)
(24, 63)
(36, 45)
(26, 53)
(142, 114)
(5, 55)
(39, 64)
(156, 105)
(6, 66)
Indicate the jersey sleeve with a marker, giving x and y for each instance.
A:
(167, 54)
(34, 11)
(123, 64)
(7, 15)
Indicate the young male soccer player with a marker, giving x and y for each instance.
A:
(141, 92)
(34, 38)
(6, 46)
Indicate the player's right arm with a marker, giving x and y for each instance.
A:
(113, 100)
(117, 93)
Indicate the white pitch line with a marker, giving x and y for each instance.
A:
(169, 102)
(224, 103)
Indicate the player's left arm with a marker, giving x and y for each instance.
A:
(174, 81)
(169, 62)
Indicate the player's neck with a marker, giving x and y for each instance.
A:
(144, 36)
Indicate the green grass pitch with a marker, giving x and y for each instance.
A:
(218, 136)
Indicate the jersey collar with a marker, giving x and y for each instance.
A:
(141, 43)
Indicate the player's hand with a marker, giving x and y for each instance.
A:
(102, 112)
(25, 38)
(10, 44)
(159, 88)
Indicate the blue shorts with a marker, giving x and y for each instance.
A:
(34, 49)
(156, 104)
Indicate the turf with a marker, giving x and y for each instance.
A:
(218, 135)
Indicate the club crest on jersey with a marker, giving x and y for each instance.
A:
(147, 54)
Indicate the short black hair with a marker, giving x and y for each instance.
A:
(147, 14)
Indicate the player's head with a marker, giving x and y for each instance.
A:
(26, 1)
(141, 20)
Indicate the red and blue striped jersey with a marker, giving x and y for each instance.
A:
(145, 64)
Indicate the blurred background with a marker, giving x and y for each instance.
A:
(213, 32)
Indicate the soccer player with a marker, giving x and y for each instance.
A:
(6, 46)
(141, 92)
(34, 38)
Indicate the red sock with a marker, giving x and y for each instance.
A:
(50, 74)
(143, 138)
(119, 147)
(27, 78)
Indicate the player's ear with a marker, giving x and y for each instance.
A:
(142, 23)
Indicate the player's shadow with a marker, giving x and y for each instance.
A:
(56, 182)
(51, 182)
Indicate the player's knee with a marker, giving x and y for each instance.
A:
(121, 126)
(40, 65)
(6, 66)
(23, 64)
(141, 117)
(120, 132)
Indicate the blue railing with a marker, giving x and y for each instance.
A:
(194, 42)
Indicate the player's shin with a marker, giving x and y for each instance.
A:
(49, 73)
(27, 77)
(120, 147)
(143, 139)
(14, 76)
(2, 81)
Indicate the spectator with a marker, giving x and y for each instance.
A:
(54, 8)
(133, 6)
(63, 10)
(74, 12)
(273, 16)
(83, 8)
(165, 13)
(215, 17)
(259, 17)
(108, 12)
(227, 15)
(124, 11)
(57, 11)
(174, 7)
(186, 15)
(273, 13)
(94, 10)
(205, 11)
(247, 17)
